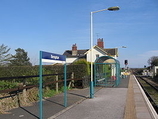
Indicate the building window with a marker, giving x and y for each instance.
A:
(97, 55)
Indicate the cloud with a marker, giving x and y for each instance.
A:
(149, 53)
(140, 60)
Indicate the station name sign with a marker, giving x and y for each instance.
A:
(52, 57)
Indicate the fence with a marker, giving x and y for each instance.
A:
(24, 82)
(18, 96)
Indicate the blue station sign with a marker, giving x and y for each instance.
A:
(52, 57)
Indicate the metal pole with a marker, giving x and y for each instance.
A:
(65, 86)
(91, 47)
(40, 88)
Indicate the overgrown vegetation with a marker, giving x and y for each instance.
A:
(80, 70)
(83, 61)
(31, 95)
(7, 85)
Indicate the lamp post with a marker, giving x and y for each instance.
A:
(123, 47)
(116, 50)
(91, 44)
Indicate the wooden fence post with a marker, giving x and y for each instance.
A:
(24, 91)
(72, 81)
(72, 77)
(57, 84)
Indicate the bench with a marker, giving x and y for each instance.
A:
(102, 79)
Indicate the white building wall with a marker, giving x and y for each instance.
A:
(155, 68)
(95, 52)
(115, 57)
(70, 60)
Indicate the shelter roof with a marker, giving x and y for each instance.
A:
(106, 59)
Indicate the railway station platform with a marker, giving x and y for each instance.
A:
(127, 101)
(137, 104)
(123, 102)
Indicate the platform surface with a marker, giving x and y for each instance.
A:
(123, 102)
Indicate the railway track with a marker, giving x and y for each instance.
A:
(151, 90)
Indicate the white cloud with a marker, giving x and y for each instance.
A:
(149, 54)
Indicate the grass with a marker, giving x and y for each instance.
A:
(51, 92)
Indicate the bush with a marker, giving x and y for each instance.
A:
(86, 67)
(49, 93)
(80, 69)
(7, 85)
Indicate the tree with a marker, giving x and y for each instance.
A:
(20, 58)
(4, 55)
(153, 61)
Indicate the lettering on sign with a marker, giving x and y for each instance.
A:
(54, 57)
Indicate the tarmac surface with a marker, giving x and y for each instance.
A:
(103, 106)
(108, 103)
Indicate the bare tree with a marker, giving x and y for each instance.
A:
(153, 61)
(4, 55)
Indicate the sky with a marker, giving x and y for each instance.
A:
(55, 25)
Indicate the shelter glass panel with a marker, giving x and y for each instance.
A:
(107, 71)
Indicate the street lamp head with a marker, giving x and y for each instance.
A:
(113, 8)
(124, 47)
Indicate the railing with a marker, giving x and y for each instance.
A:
(23, 84)
(21, 96)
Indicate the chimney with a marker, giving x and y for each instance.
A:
(100, 42)
(74, 50)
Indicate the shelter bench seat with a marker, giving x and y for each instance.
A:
(102, 79)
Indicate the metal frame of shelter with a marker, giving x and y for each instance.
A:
(106, 71)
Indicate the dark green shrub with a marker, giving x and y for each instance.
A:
(86, 67)
(7, 85)
(80, 70)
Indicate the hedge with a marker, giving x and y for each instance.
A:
(80, 70)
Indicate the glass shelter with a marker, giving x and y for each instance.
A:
(106, 71)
